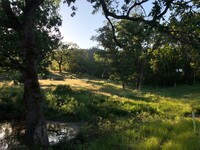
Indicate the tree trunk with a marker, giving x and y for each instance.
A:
(103, 74)
(141, 65)
(139, 82)
(36, 131)
(25, 25)
(123, 85)
(60, 67)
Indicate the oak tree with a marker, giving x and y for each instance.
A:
(28, 32)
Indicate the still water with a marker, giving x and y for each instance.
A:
(56, 132)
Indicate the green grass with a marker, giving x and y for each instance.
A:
(11, 103)
(150, 119)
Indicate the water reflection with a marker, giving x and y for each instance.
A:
(5, 130)
(7, 140)
(56, 132)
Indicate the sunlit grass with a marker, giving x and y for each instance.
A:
(149, 119)
(149, 136)
(174, 134)
(75, 83)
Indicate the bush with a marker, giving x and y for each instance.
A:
(17, 77)
(11, 101)
(83, 112)
(62, 89)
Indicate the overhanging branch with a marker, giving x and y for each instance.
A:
(153, 22)
(113, 32)
(127, 17)
(14, 63)
(134, 5)
(168, 4)
(12, 19)
(30, 7)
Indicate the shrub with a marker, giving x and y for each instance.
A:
(62, 89)
(17, 77)
(11, 101)
(83, 112)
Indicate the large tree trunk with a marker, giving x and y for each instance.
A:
(25, 25)
(36, 131)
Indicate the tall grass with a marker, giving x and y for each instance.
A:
(11, 101)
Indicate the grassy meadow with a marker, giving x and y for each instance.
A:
(112, 118)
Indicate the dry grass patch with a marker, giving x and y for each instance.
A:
(74, 83)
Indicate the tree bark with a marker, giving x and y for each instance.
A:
(36, 131)
(35, 123)
(60, 67)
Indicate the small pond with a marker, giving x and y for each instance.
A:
(9, 131)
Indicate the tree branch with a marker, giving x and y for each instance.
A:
(12, 19)
(127, 17)
(153, 22)
(30, 7)
(134, 5)
(113, 32)
(168, 3)
(15, 63)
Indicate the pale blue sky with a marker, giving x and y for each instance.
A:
(82, 26)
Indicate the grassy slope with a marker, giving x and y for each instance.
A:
(128, 119)
(122, 119)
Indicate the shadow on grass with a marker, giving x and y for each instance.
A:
(186, 94)
(179, 92)
(86, 105)
(124, 93)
